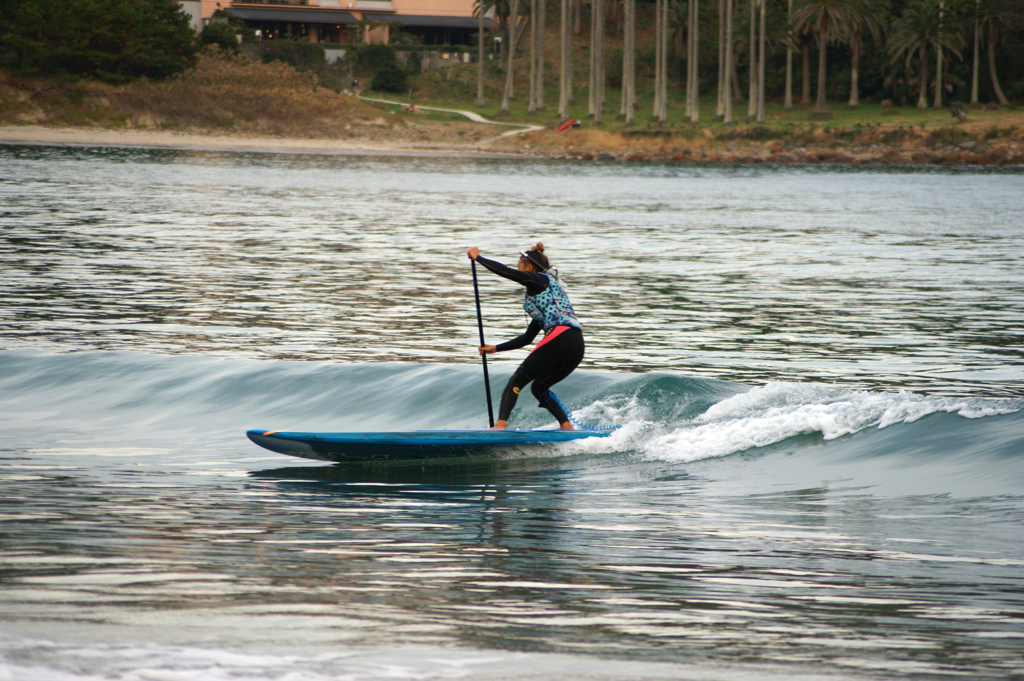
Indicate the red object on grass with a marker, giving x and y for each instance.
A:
(565, 126)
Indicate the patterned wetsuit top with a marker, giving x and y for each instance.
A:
(551, 307)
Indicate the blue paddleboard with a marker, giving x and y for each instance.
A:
(416, 444)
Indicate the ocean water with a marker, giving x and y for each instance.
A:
(819, 374)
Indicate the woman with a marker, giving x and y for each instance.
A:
(549, 308)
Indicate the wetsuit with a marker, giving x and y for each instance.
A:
(557, 355)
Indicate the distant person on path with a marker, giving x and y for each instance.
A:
(561, 350)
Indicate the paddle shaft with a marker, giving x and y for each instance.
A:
(480, 324)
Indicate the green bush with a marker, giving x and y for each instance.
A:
(389, 78)
(373, 58)
(221, 35)
(301, 56)
(1015, 93)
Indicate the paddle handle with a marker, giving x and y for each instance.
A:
(480, 325)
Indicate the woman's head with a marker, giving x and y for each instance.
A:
(534, 259)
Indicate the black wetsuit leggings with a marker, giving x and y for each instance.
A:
(548, 364)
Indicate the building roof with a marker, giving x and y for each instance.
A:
(426, 21)
(309, 16)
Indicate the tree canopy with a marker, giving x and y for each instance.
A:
(114, 40)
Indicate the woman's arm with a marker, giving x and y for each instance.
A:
(531, 332)
(534, 282)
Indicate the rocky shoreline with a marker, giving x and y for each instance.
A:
(968, 153)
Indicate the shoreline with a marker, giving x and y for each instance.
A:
(199, 141)
(539, 144)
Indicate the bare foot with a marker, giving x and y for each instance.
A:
(500, 425)
(567, 426)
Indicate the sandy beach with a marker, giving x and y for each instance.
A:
(578, 145)
(81, 136)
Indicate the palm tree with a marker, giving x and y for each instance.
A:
(532, 106)
(693, 93)
(720, 103)
(938, 62)
(628, 61)
(788, 102)
(761, 61)
(564, 84)
(480, 58)
(500, 9)
(658, 75)
(977, 42)
(513, 30)
(751, 77)
(542, 20)
(727, 115)
(597, 28)
(869, 15)
(918, 28)
(995, 17)
(831, 19)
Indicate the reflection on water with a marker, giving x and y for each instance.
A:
(882, 278)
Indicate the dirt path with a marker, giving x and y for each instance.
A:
(475, 117)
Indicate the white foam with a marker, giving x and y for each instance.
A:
(778, 411)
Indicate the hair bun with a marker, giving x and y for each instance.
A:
(539, 247)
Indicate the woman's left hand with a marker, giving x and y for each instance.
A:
(473, 252)
(487, 349)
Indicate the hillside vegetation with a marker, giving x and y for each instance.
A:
(223, 93)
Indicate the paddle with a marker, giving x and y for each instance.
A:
(480, 323)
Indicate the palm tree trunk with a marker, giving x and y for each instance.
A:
(760, 67)
(974, 66)
(788, 102)
(688, 99)
(563, 83)
(632, 90)
(938, 64)
(480, 59)
(720, 103)
(729, 65)
(599, 76)
(542, 21)
(694, 54)
(663, 93)
(854, 70)
(819, 107)
(592, 84)
(631, 55)
(752, 67)
(805, 91)
(532, 106)
(992, 64)
(511, 57)
(577, 17)
(624, 97)
(657, 62)
(922, 98)
(572, 7)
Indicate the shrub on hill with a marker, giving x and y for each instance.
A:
(302, 56)
(224, 36)
(373, 58)
(389, 78)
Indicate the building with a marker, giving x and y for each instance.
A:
(433, 22)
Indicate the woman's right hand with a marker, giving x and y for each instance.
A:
(473, 252)
(487, 349)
